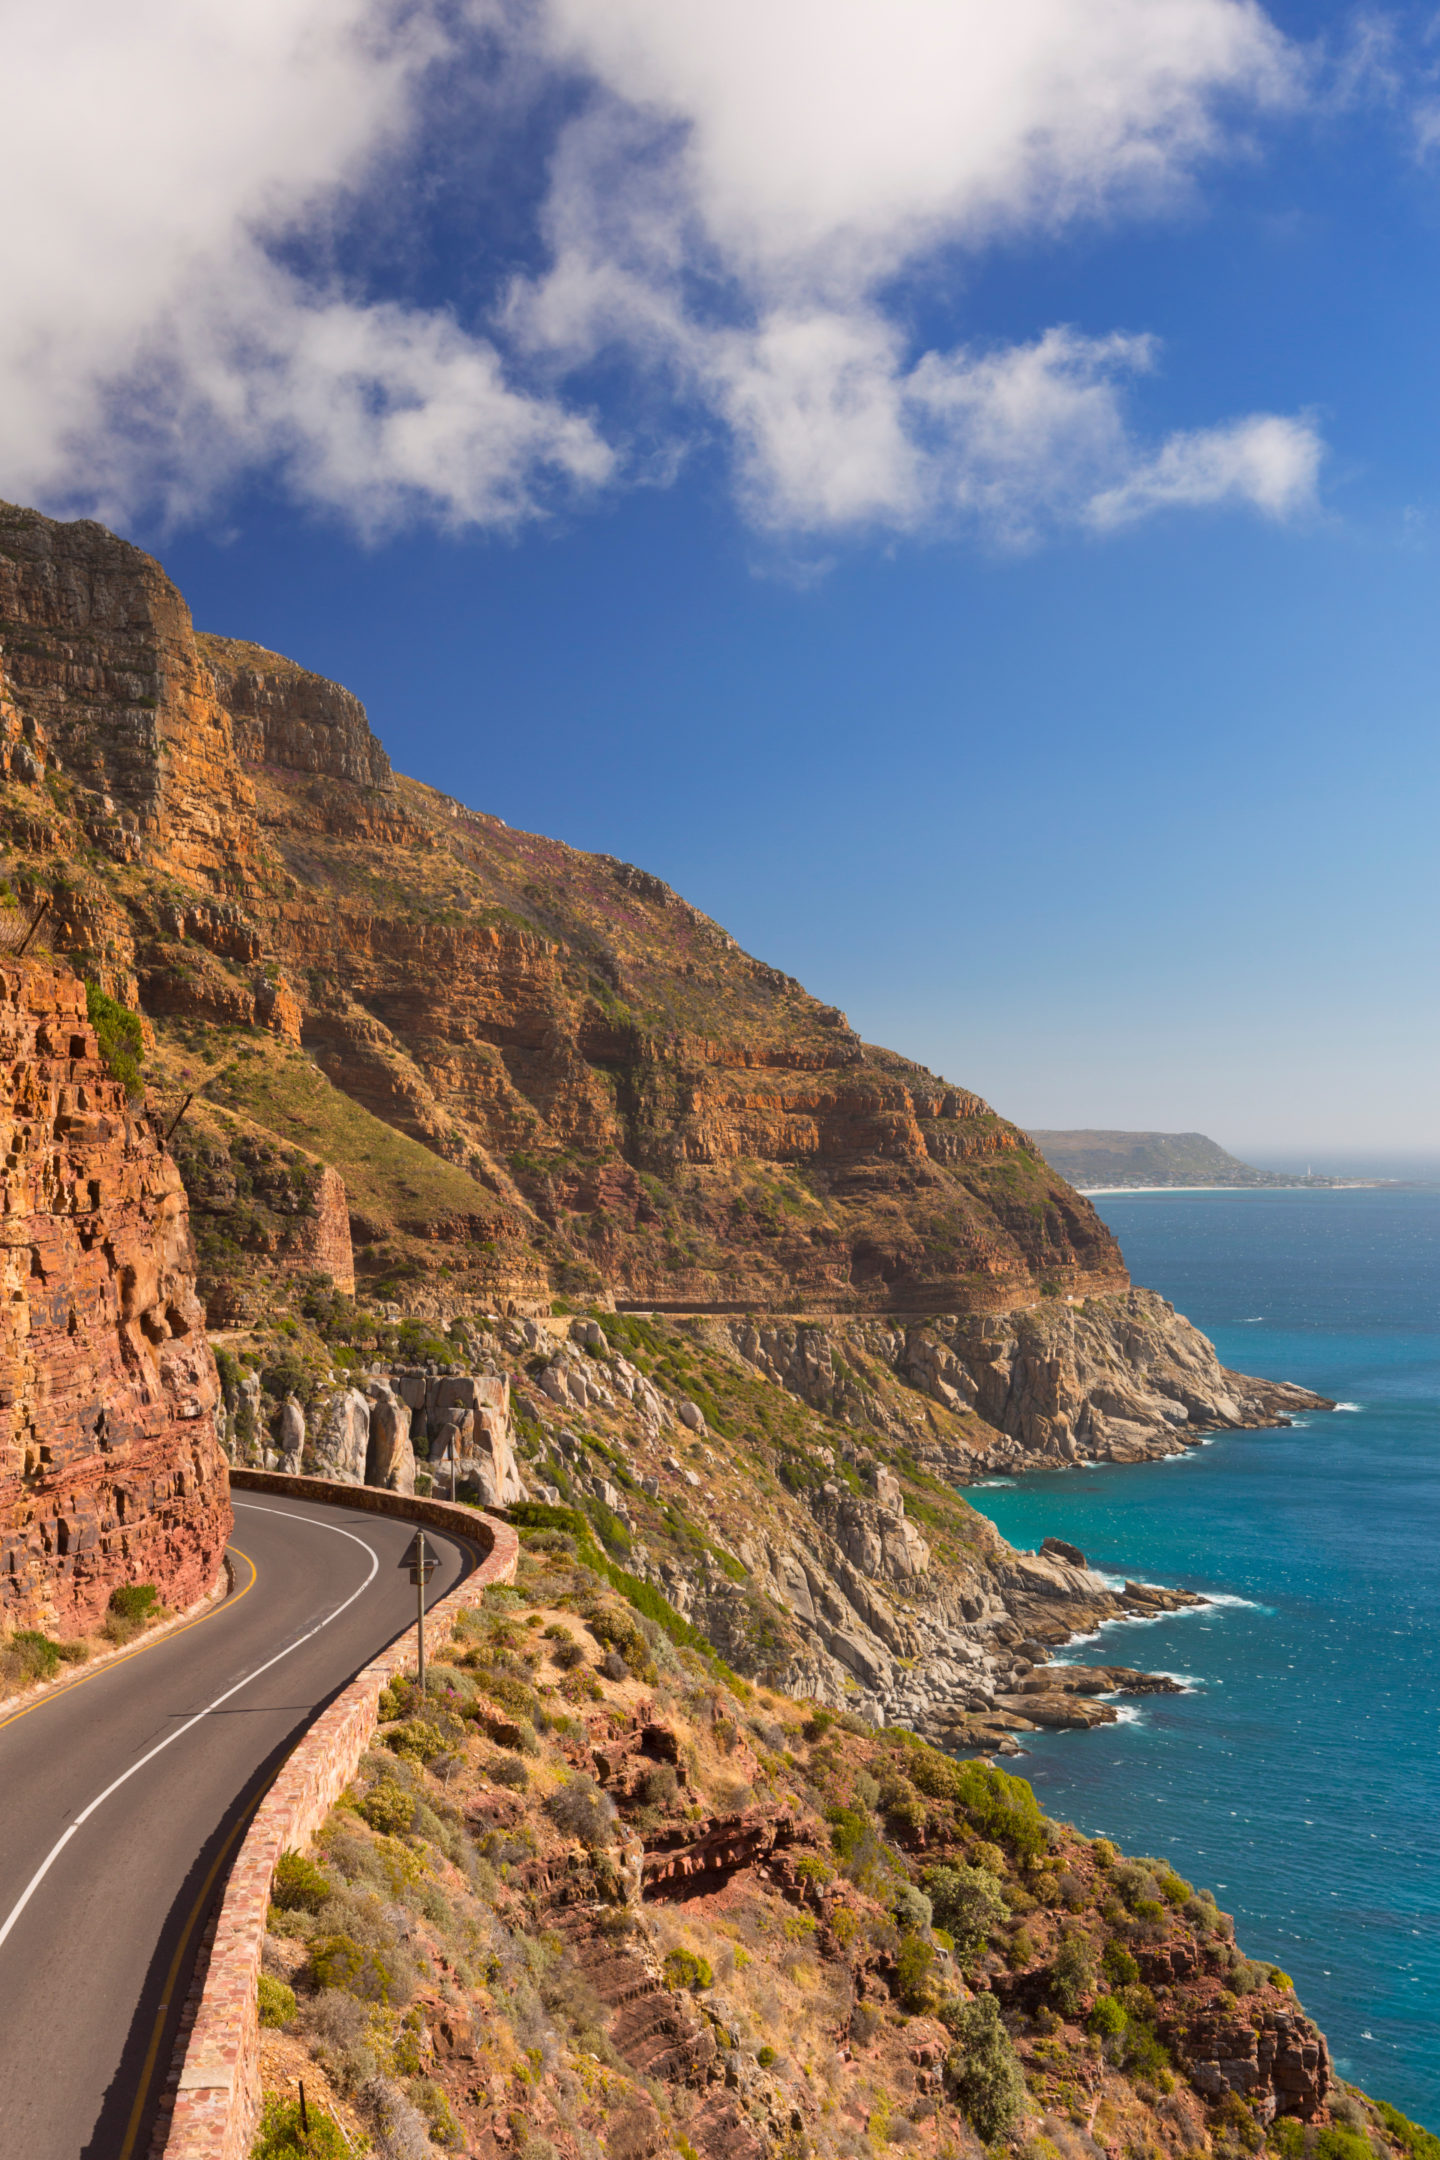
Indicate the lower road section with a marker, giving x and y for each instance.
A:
(122, 1796)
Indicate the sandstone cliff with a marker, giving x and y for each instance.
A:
(584, 1084)
(110, 1469)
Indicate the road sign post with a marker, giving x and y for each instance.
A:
(422, 1567)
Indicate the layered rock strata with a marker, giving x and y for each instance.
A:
(110, 1467)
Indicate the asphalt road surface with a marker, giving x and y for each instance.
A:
(122, 1798)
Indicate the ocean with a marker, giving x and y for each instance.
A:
(1299, 1775)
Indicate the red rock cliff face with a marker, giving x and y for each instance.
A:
(110, 1470)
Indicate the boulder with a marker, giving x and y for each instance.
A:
(491, 1465)
(344, 1442)
(290, 1436)
(1064, 1551)
(390, 1458)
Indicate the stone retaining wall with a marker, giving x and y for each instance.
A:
(217, 2101)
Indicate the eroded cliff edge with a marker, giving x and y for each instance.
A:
(110, 1467)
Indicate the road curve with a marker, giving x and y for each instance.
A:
(121, 1798)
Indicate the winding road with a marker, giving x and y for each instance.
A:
(123, 1795)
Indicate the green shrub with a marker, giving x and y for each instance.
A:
(39, 1656)
(1338, 2144)
(1107, 2019)
(914, 1968)
(277, 2002)
(134, 1600)
(683, 1969)
(766, 2056)
(1002, 1808)
(619, 1632)
(341, 1962)
(539, 1515)
(1120, 1968)
(430, 2099)
(280, 2136)
(417, 1740)
(388, 1808)
(967, 1904)
(299, 1885)
(1421, 2144)
(119, 1035)
(983, 2071)
(1072, 1975)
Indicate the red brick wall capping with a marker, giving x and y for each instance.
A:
(217, 2102)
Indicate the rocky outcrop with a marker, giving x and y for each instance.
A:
(343, 1446)
(284, 716)
(1123, 1378)
(111, 1469)
(1277, 2062)
(390, 1457)
(290, 1436)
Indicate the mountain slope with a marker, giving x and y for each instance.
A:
(625, 1104)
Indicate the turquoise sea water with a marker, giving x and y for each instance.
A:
(1300, 1778)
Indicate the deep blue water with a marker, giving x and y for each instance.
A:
(1300, 1780)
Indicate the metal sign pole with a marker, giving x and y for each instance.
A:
(420, 1574)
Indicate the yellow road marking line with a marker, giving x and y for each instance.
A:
(147, 2070)
(113, 1665)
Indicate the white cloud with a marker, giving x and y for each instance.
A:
(151, 346)
(728, 218)
(834, 137)
(749, 183)
(1266, 461)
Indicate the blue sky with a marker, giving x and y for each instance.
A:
(961, 503)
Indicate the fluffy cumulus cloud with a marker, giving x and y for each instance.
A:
(164, 159)
(744, 211)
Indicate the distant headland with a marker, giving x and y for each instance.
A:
(1122, 1161)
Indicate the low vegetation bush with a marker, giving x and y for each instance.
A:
(982, 2070)
(968, 1904)
(119, 1035)
(1072, 1975)
(342, 1963)
(276, 2001)
(914, 1973)
(388, 1808)
(580, 1810)
(299, 1885)
(33, 1656)
(683, 1969)
(281, 2137)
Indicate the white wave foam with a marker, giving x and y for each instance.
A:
(1254, 1320)
(1127, 1714)
(1189, 1681)
(1349, 1406)
(989, 1484)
